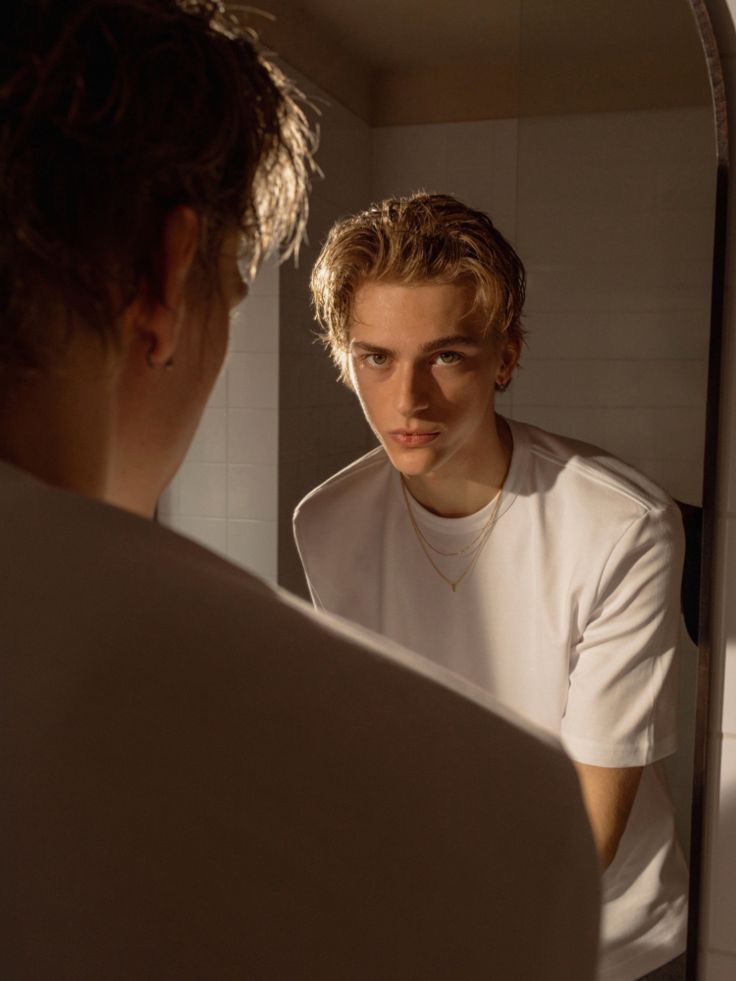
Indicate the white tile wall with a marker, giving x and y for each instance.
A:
(615, 225)
(203, 489)
(475, 161)
(654, 333)
(210, 441)
(601, 382)
(255, 327)
(252, 436)
(252, 544)
(504, 177)
(407, 158)
(210, 532)
(628, 432)
(218, 398)
(558, 287)
(252, 492)
(683, 479)
(253, 381)
(225, 494)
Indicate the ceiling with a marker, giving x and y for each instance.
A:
(397, 61)
(391, 34)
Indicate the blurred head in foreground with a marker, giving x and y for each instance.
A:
(149, 153)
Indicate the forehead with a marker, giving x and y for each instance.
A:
(415, 311)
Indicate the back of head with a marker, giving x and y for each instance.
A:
(424, 237)
(113, 112)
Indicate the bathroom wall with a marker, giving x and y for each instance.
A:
(225, 494)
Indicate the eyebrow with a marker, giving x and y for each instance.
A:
(451, 340)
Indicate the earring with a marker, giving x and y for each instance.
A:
(168, 365)
(502, 386)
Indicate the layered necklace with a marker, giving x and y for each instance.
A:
(471, 550)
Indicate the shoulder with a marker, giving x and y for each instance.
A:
(122, 637)
(151, 598)
(590, 479)
(367, 469)
(346, 494)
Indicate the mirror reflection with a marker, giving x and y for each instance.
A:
(585, 132)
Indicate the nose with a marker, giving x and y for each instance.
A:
(412, 391)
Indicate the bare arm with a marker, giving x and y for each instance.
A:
(609, 794)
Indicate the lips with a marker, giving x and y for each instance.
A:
(408, 437)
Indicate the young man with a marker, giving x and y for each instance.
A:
(541, 569)
(201, 777)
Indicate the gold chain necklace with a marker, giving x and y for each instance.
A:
(482, 538)
(470, 547)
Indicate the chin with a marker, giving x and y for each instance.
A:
(411, 463)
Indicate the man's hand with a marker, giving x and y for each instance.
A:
(609, 794)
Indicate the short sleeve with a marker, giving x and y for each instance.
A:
(622, 696)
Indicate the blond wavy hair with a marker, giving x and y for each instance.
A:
(411, 240)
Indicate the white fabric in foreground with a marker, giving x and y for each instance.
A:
(203, 778)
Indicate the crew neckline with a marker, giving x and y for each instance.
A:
(451, 527)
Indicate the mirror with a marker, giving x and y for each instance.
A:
(586, 132)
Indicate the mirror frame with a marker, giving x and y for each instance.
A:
(710, 479)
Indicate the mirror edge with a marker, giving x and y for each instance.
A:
(708, 40)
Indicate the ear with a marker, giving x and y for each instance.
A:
(509, 354)
(156, 321)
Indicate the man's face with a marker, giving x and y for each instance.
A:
(425, 375)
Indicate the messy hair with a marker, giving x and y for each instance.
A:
(412, 240)
(113, 112)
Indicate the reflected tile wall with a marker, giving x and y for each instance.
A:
(477, 162)
(615, 225)
(225, 494)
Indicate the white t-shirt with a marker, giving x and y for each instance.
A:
(570, 618)
(204, 778)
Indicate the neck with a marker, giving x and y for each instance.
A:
(469, 485)
(130, 487)
(60, 429)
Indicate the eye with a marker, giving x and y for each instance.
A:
(448, 358)
(376, 360)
